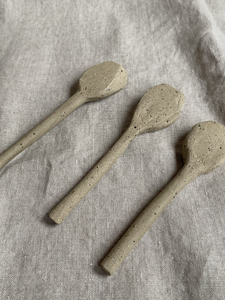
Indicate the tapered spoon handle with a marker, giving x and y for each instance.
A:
(47, 124)
(144, 221)
(60, 211)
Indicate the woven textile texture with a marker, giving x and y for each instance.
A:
(45, 46)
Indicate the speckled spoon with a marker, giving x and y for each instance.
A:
(203, 151)
(159, 107)
(96, 83)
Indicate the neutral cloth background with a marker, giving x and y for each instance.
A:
(45, 47)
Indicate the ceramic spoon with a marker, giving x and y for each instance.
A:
(96, 83)
(203, 151)
(159, 107)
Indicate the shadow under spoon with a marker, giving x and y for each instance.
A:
(158, 108)
(96, 83)
(203, 151)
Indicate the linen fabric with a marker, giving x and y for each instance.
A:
(45, 47)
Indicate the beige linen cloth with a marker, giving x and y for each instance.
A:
(45, 47)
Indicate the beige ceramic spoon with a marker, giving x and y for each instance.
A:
(96, 83)
(203, 151)
(159, 107)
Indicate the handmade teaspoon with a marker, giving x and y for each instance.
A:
(159, 107)
(203, 151)
(96, 83)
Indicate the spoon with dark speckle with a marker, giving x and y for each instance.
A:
(96, 83)
(158, 108)
(203, 151)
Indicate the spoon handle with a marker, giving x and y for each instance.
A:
(144, 221)
(47, 124)
(61, 210)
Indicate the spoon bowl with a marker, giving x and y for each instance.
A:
(204, 147)
(102, 80)
(158, 108)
